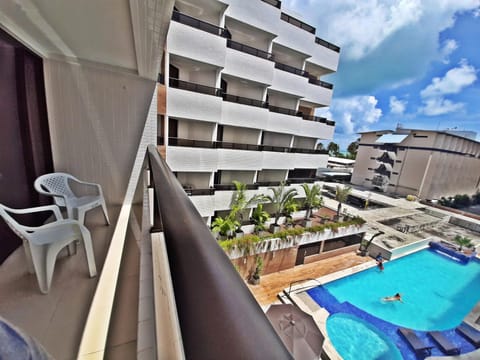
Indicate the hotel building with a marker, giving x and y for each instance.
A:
(242, 82)
(425, 163)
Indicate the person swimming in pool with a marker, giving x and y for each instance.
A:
(396, 297)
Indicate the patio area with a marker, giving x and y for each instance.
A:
(272, 284)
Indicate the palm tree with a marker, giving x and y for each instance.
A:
(259, 217)
(333, 148)
(312, 198)
(280, 198)
(341, 195)
(239, 201)
(463, 241)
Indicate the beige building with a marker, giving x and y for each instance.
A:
(425, 163)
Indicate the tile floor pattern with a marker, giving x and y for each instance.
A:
(272, 284)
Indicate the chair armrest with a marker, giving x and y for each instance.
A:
(53, 208)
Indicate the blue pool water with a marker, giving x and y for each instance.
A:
(437, 292)
(349, 334)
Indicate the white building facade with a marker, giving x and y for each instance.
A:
(425, 163)
(242, 83)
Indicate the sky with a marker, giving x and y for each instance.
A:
(412, 63)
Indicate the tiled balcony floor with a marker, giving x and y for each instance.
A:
(57, 319)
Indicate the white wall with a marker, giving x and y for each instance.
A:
(96, 118)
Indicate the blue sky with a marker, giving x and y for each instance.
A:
(409, 62)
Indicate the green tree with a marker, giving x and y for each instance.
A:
(290, 207)
(320, 146)
(313, 198)
(280, 198)
(352, 149)
(333, 149)
(239, 202)
(341, 195)
(463, 241)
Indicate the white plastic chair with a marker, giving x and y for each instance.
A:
(57, 185)
(43, 243)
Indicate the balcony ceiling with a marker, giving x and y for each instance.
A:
(120, 33)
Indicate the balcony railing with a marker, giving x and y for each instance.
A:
(239, 146)
(249, 50)
(291, 69)
(297, 23)
(173, 141)
(327, 44)
(223, 187)
(199, 24)
(300, 181)
(285, 111)
(315, 81)
(195, 259)
(315, 118)
(196, 192)
(331, 122)
(268, 183)
(185, 85)
(276, 3)
(244, 100)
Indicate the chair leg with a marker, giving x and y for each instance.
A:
(87, 242)
(105, 213)
(72, 248)
(39, 260)
(28, 255)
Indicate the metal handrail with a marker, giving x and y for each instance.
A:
(199, 24)
(244, 100)
(291, 69)
(207, 286)
(297, 23)
(302, 280)
(327, 44)
(189, 86)
(249, 50)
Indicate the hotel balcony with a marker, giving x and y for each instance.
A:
(300, 125)
(258, 62)
(260, 14)
(243, 111)
(193, 101)
(208, 47)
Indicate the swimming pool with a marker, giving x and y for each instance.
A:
(437, 292)
(356, 339)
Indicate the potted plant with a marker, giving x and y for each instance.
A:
(224, 226)
(259, 217)
(239, 203)
(290, 207)
(255, 278)
(312, 200)
(279, 198)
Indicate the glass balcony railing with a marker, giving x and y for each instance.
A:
(285, 111)
(315, 81)
(244, 100)
(291, 69)
(275, 3)
(199, 24)
(297, 23)
(185, 85)
(327, 44)
(249, 50)
(239, 146)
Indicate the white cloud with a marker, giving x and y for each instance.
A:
(448, 47)
(454, 81)
(353, 113)
(397, 106)
(440, 106)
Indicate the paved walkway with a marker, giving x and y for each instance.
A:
(272, 284)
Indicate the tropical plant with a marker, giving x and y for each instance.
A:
(352, 149)
(239, 202)
(341, 195)
(280, 198)
(259, 217)
(290, 207)
(225, 226)
(258, 268)
(463, 241)
(313, 198)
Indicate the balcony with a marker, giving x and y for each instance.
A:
(185, 85)
(327, 44)
(235, 113)
(249, 50)
(285, 111)
(315, 81)
(275, 3)
(291, 69)
(199, 24)
(244, 100)
(295, 22)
